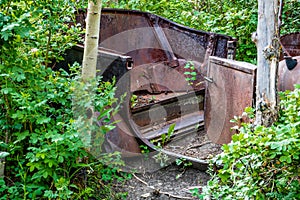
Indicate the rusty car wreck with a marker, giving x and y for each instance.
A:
(173, 76)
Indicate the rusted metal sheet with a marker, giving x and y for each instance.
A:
(229, 93)
(291, 43)
(289, 67)
(148, 55)
(109, 63)
(121, 139)
(160, 50)
(154, 115)
(158, 77)
(150, 39)
(287, 78)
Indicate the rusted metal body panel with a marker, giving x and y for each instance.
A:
(109, 63)
(160, 50)
(287, 78)
(158, 43)
(147, 54)
(167, 109)
(291, 43)
(229, 93)
(289, 68)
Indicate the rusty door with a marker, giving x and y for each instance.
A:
(230, 90)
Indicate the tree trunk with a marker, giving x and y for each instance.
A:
(91, 40)
(267, 42)
(89, 64)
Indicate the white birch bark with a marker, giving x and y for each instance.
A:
(91, 40)
(89, 65)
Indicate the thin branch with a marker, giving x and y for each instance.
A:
(174, 196)
(198, 145)
(157, 190)
(195, 187)
(140, 180)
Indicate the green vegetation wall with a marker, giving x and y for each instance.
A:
(39, 134)
(237, 18)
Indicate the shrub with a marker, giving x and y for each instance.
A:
(46, 157)
(261, 162)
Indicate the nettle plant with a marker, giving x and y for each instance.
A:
(45, 157)
(261, 162)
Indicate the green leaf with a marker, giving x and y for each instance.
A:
(43, 120)
(297, 86)
(163, 139)
(171, 129)
(45, 174)
(60, 159)
(6, 90)
(50, 163)
(187, 66)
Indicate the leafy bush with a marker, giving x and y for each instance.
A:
(261, 162)
(47, 159)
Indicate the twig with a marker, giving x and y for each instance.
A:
(140, 180)
(174, 196)
(157, 190)
(198, 145)
(195, 187)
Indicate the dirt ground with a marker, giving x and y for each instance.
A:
(171, 182)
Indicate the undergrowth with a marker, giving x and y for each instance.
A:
(39, 131)
(260, 162)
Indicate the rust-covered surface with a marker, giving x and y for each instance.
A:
(289, 66)
(158, 51)
(287, 78)
(291, 44)
(159, 44)
(168, 108)
(148, 56)
(109, 63)
(230, 91)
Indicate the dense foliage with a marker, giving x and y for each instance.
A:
(261, 162)
(45, 157)
(236, 18)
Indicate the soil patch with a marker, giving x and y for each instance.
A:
(171, 182)
(199, 146)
